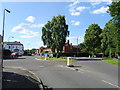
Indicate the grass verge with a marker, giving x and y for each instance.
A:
(55, 59)
(111, 61)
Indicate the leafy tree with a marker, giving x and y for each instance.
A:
(54, 33)
(92, 38)
(108, 41)
(114, 10)
(82, 48)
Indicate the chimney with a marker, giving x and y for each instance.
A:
(68, 42)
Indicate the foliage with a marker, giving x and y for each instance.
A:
(32, 51)
(6, 53)
(92, 38)
(54, 33)
(114, 10)
(108, 41)
(82, 48)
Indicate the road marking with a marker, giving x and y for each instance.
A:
(110, 83)
(41, 66)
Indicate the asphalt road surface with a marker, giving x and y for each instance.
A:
(55, 74)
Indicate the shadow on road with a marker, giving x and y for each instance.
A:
(13, 80)
(13, 58)
(89, 59)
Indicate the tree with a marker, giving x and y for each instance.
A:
(114, 10)
(54, 33)
(92, 38)
(108, 41)
(82, 48)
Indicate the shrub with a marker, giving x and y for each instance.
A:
(6, 53)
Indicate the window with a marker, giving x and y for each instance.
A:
(9, 47)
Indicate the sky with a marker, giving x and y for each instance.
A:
(25, 21)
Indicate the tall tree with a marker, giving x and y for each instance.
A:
(54, 33)
(92, 39)
(114, 10)
(108, 41)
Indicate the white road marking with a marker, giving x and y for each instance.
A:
(110, 83)
(41, 66)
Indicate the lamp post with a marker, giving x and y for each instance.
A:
(5, 10)
(9, 38)
(77, 44)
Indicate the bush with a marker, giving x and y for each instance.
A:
(6, 53)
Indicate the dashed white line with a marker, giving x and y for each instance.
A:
(110, 83)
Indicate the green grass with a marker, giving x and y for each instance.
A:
(55, 59)
(111, 61)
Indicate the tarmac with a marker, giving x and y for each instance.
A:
(17, 78)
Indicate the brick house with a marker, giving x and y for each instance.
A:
(68, 48)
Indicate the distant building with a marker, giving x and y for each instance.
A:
(14, 47)
(68, 48)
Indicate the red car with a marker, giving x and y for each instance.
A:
(15, 55)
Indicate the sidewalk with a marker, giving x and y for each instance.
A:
(17, 78)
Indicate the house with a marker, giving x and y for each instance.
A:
(68, 48)
(14, 47)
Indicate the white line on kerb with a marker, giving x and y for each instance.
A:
(110, 83)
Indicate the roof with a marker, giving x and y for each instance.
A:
(13, 43)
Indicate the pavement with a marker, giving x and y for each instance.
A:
(20, 78)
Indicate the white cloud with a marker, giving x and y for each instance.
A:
(82, 8)
(75, 23)
(37, 25)
(75, 13)
(101, 10)
(16, 40)
(75, 2)
(74, 9)
(31, 25)
(30, 19)
(96, 2)
(26, 33)
(24, 24)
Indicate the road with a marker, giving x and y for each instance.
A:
(55, 74)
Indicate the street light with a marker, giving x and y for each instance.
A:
(9, 38)
(77, 44)
(4, 23)
(3, 32)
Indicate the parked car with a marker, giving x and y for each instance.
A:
(15, 55)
